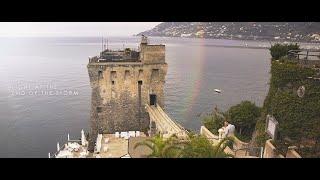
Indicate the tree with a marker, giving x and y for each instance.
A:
(244, 116)
(214, 122)
(161, 148)
(201, 147)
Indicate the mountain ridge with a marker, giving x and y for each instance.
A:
(279, 31)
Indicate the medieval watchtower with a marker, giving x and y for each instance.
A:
(122, 83)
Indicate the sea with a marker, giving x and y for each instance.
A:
(32, 120)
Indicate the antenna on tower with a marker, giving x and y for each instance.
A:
(107, 45)
(104, 46)
(102, 43)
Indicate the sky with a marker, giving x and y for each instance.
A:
(17, 29)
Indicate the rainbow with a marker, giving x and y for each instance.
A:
(196, 81)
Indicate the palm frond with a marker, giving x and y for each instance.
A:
(150, 146)
(171, 151)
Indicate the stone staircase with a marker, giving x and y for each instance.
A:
(164, 124)
(240, 149)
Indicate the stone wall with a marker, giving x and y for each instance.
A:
(270, 151)
(292, 153)
(115, 94)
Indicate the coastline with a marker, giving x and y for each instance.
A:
(247, 40)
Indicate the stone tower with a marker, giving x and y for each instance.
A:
(122, 83)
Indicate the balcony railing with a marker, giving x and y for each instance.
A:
(304, 54)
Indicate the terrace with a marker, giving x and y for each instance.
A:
(126, 55)
(304, 54)
(118, 145)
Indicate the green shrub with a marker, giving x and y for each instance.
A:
(280, 50)
(244, 116)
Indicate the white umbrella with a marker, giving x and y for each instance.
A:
(83, 138)
(58, 147)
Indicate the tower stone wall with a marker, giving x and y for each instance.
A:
(121, 89)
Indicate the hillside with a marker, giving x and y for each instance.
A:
(279, 31)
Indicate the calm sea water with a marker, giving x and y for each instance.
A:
(31, 124)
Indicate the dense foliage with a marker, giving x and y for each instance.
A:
(279, 50)
(288, 73)
(298, 117)
(244, 116)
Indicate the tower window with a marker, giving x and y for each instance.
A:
(113, 77)
(100, 74)
(140, 82)
(99, 109)
(113, 74)
(140, 74)
(126, 75)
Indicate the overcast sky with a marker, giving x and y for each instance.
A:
(74, 28)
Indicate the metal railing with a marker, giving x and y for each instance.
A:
(303, 54)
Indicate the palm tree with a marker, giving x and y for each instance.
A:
(201, 147)
(162, 148)
(194, 147)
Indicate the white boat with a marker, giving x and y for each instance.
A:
(217, 90)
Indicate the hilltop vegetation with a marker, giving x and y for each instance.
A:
(283, 31)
